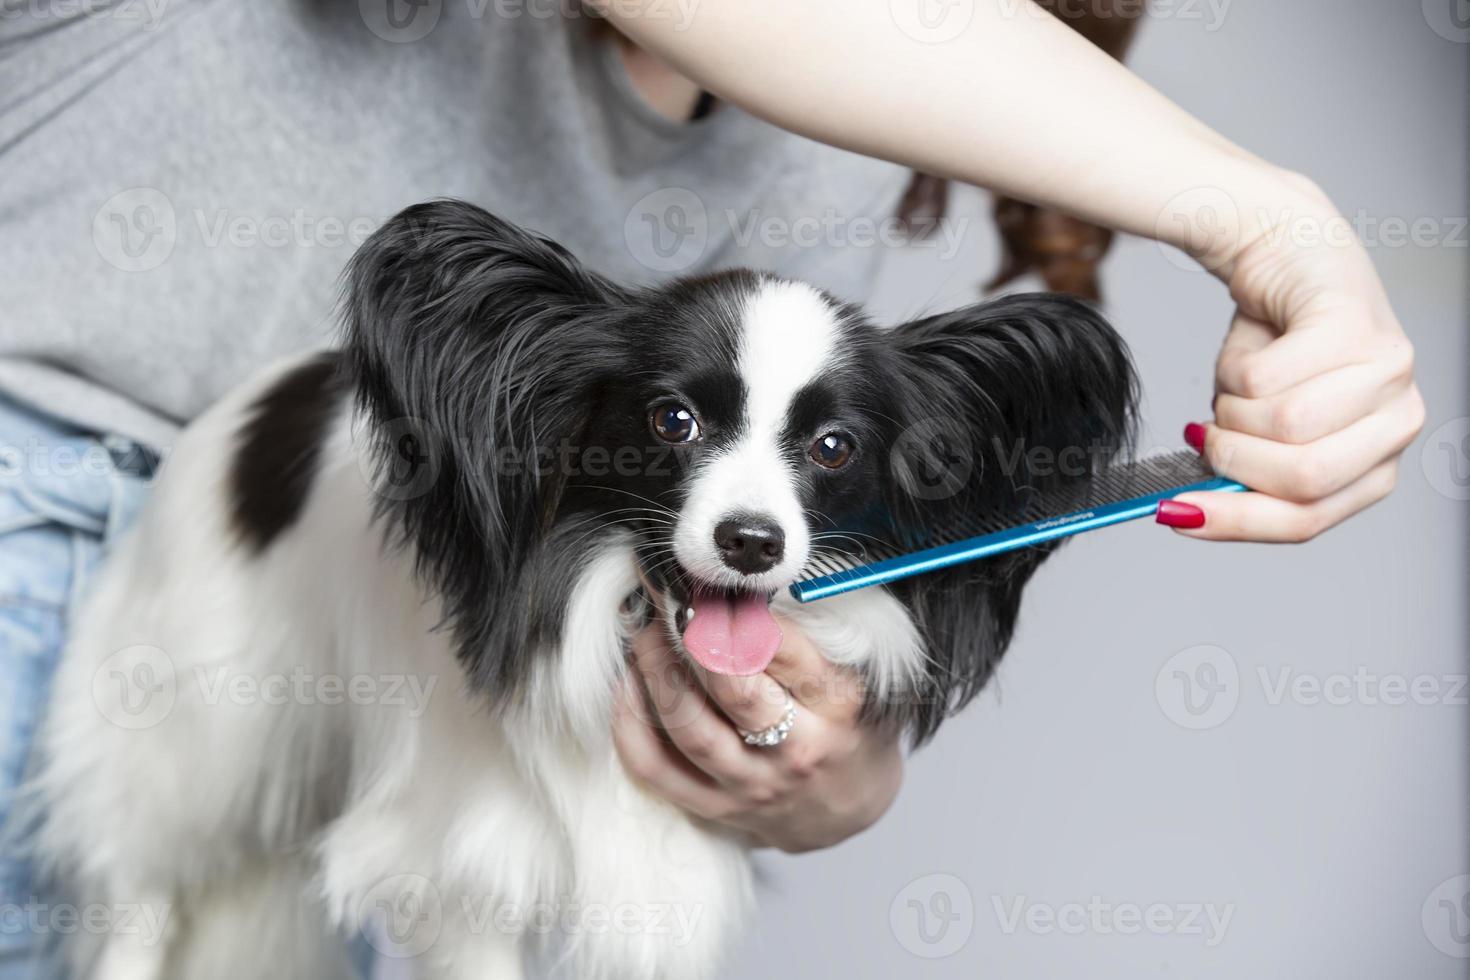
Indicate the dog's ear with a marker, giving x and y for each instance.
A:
(478, 349)
(1020, 392)
(1024, 393)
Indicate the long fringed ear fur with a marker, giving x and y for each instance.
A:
(477, 348)
(1028, 391)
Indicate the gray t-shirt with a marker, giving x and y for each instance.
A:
(183, 180)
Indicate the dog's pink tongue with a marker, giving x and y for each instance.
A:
(732, 635)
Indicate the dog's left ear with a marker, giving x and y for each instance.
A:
(1026, 392)
(477, 350)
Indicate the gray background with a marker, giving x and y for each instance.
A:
(1325, 828)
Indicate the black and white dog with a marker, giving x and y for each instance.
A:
(511, 464)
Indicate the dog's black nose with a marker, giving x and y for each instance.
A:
(750, 544)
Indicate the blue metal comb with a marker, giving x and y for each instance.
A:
(1123, 492)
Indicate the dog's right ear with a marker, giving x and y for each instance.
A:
(477, 348)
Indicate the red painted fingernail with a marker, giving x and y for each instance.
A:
(1175, 514)
(1194, 434)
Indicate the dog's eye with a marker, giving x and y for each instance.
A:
(672, 422)
(832, 450)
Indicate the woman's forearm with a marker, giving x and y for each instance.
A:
(1047, 117)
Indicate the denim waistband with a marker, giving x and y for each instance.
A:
(88, 481)
(20, 422)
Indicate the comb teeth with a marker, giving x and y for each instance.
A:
(1157, 472)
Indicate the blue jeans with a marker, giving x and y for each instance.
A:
(65, 496)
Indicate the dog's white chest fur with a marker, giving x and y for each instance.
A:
(317, 760)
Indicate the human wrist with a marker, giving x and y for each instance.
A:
(1248, 207)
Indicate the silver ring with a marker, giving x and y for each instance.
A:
(769, 738)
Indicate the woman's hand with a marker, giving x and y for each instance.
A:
(1315, 397)
(830, 779)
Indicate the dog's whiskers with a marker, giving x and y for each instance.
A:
(664, 508)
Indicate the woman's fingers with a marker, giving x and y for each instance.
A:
(1247, 336)
(1306, 473)
(1258, 360)
(1313, 409)
(830, 779)
(751, 703)
(656, 764)
(813, 681)
(700, 712)
(826, 689)
(1312, 416)
(1258, 517)
(691, 722)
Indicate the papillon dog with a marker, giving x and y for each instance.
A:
(355, 664)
